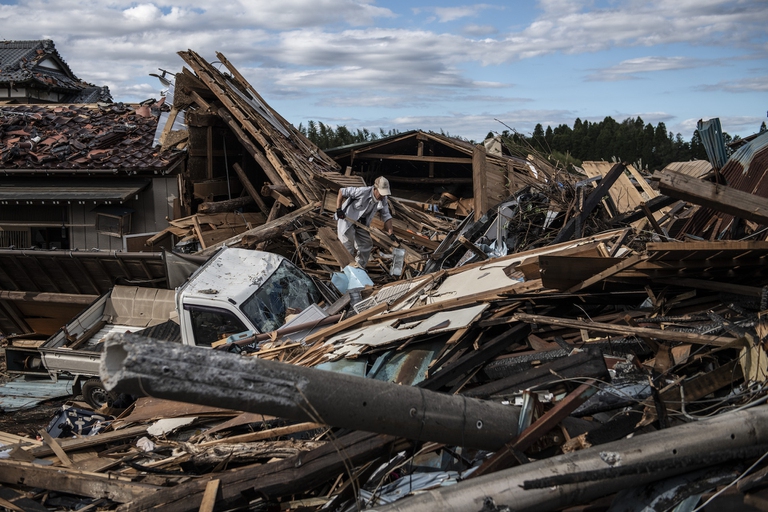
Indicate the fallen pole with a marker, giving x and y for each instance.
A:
(140, 365)
(660, 451)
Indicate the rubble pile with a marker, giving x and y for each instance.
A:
(595, 341)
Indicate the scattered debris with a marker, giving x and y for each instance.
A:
(593, 340)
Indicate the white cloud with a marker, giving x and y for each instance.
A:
(143, 14)
(345, 51)
(479, 30)
(445, 14)
(751, 84)
(730, 124)
(631, 68)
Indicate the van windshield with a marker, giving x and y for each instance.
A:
(287, 291)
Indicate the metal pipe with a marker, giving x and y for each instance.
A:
(86, 254)
(732, 431)
(60, 298)
(135, 364)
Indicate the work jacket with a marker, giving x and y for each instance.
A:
(356, 205)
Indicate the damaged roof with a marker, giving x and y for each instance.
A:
(80, 139)
(39, 64)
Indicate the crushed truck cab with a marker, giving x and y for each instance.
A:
(242, 290)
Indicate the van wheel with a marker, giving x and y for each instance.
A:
(96, 394)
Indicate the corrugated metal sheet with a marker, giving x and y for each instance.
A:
(746, 153)
(746, 171)
(19, 393)
(711, 134)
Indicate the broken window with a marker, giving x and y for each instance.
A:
(113, 220)
(212, 324)
(288, 291)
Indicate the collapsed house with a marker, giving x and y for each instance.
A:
(586, 340)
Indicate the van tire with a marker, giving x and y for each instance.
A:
(96, 395)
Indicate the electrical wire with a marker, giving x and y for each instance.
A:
(737, 480)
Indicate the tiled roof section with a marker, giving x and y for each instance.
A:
(117, 137)
(19, 65)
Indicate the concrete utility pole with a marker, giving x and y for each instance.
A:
(657, 456)
(140, 365)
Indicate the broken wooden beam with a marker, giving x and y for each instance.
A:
(569, 230)
(278, 223)
(719, 197)
(627, 330)
(251, 189)
(228, 205)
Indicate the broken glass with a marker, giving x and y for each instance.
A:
(287, 291)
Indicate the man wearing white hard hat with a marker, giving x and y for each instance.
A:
(361, 204)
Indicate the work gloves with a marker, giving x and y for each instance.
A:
(340, 213)
(393, 237)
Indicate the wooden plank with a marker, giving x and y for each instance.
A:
(54, 445)
(345, 324)
(277, 196)
(199, 232)
(81, 483)
(209, 496)
(277, 223)
(472, 248)
(249, 146)
(625, 330)
(251, 189)
(479, 164)
(330, 241)
(647, 189)
(209, 152)
(713, 195)
(568, 231)
(502, 343)
(652, 220)
(18, 502)
(623, 193)
(448, 304)
(414, 158)
(276, 479)
(263, 434)
(504, 458)
(169, 124)
(624, 264)
(82, 443)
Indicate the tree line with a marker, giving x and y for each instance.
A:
(325, 136)
(632, 141)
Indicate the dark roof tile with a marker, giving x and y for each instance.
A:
(80, 137)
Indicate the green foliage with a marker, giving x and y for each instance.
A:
(325, 136)
(631, 140)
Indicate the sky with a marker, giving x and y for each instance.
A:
(453, 67)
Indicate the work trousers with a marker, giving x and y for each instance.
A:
(359, 244)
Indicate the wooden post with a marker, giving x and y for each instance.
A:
(250, 188)
(479, 181)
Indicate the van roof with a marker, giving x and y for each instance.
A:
(232, 274)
